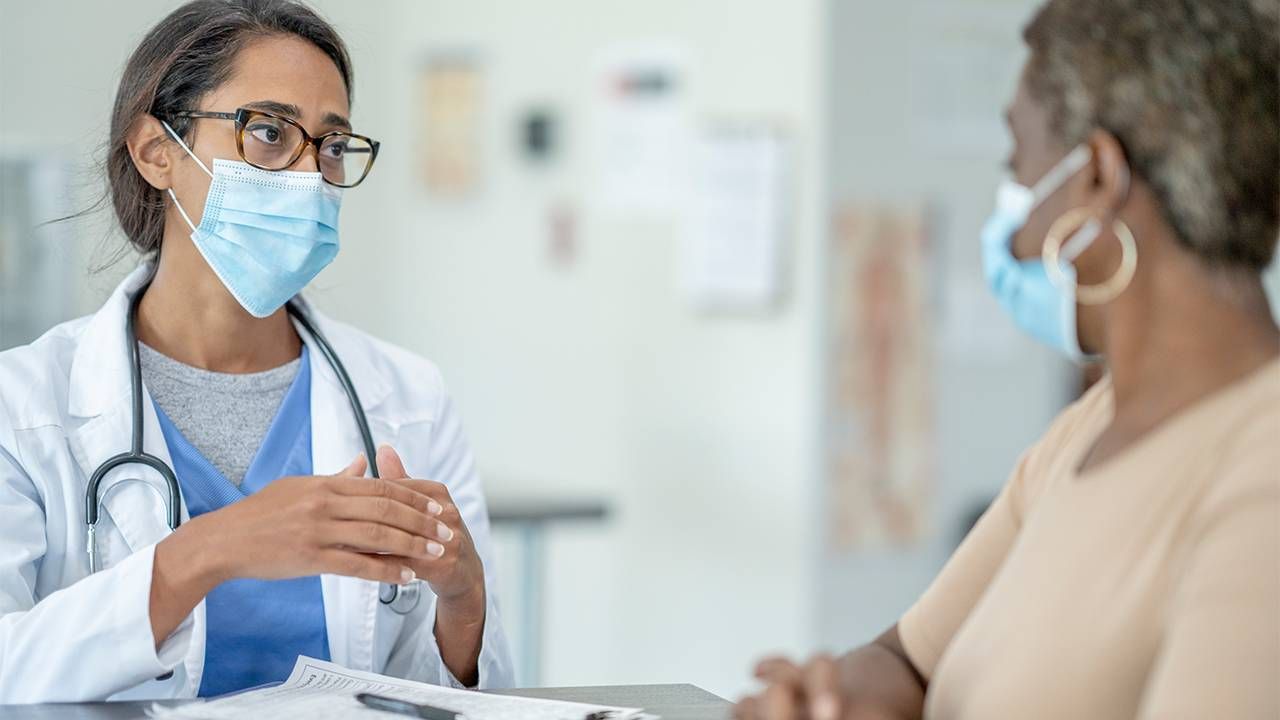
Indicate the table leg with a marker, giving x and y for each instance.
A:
(533, 557)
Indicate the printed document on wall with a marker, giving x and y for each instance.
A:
(642, 131)
(737, 218)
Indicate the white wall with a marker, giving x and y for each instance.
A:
(60, 63)
(599, 379)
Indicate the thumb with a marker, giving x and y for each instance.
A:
(822, 686)
(356, 468)
(389, 465)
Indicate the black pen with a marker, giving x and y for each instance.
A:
(404, 707)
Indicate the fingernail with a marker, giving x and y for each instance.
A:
(826, 707)
(406, 576)
(445, 533)
(435, 548)
(434, 507)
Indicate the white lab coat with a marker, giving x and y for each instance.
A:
(67, 635)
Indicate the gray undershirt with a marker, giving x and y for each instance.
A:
(223, 415)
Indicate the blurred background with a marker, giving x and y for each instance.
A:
(702, 276)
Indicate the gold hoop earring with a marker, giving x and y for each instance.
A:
(1103, 292)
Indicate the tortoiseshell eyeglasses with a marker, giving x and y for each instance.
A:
(272, 142)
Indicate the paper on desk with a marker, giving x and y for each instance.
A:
(319, 690)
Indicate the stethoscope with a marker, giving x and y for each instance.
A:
(402, 599)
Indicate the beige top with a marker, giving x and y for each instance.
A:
(1148, 587)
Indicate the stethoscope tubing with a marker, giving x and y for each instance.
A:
(136, 455)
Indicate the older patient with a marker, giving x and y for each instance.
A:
(1130, 566)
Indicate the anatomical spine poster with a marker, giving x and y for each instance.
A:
(879, 391)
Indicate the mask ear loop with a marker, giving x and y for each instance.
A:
(203, 167)
(1066, 167)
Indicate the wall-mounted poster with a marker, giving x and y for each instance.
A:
(450, 91)
(880, 457)
(738, 218)
(642, 130)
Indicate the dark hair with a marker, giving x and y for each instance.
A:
(1189, 87)
(184, 57)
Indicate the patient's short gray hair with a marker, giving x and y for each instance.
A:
(1190, 89)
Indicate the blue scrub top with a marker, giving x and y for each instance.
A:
(256, 629)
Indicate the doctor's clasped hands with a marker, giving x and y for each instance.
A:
(390, 530)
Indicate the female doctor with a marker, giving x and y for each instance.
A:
(248, 413)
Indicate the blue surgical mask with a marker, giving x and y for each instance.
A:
(265, 234)
(1040, 307)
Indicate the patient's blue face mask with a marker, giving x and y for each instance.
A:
(266, 234)
(1041, 308)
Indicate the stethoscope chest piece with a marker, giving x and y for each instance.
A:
(402, 599)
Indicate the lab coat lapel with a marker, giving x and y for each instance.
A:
(350, 604)
(133, 496)
(99, 398)
(99, 393)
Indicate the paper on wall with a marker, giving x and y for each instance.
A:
(450, 117)
(737, 218)
(642, 131)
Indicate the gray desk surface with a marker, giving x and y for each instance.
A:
(672, 702)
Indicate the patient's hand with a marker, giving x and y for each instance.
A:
(873, 682)
(795, 692)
